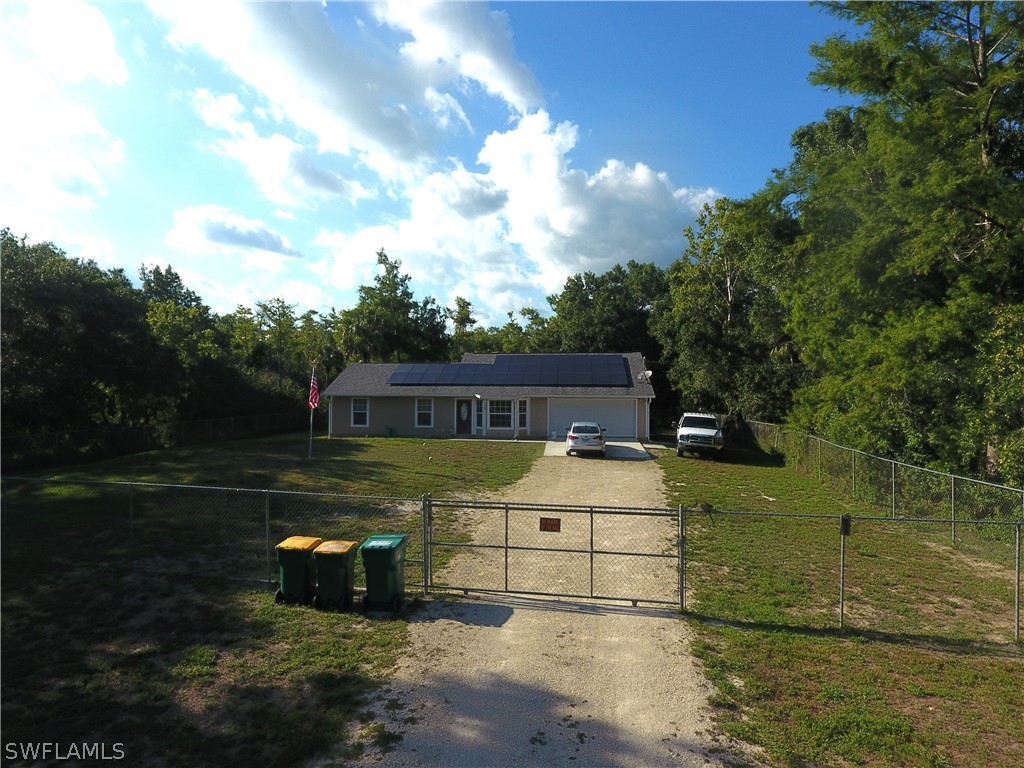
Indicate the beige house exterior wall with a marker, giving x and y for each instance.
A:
(396, 417)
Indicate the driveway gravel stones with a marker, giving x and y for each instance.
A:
(507, 680)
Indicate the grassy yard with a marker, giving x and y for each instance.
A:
(925, 671)
(169, 666)
(375, 467)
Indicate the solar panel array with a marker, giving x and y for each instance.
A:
(519, 370)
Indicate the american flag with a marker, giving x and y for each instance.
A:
(314, 391)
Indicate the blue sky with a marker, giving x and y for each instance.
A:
(267, 150)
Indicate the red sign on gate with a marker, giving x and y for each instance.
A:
(552, 524)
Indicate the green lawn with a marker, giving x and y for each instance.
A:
(925, 671)
(375, 467)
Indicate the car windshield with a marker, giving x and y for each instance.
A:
(586, 429)
(700, 422)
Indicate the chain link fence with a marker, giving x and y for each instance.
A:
(898, 577)
(54, 528)
(895, 574)
(902, 490)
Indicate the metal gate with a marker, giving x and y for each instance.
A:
(612, 553)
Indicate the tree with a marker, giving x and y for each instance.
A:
(316, 345)
(607, 313)
(178, 317)
(166, 285)
(245, 338)
(77, 351)
(1001, 374)
(461, 317)
(388, 324)
(276, 319)
(912, 229)
(184, 331)
(721, 322)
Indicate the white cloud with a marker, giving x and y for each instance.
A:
(231, 260)
(55, 152)
(566, 221)
(212, 230)
(463, 40)
(445, 107)
(350, 101)
(69, 40)
(383, 108)
(511, 236)
(349, 260)
(315, 118)
(286, 173)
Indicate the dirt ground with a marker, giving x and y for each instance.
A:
(506, 680)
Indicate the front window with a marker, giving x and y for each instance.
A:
(360, 412)
(522, 414)
(424, 412)
(699, 422)
(500, 414)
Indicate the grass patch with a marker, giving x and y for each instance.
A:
(121, 623)
(402, 467)
(924, 673)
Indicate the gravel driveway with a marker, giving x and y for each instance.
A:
(506, 680)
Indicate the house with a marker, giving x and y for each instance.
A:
(497, 396)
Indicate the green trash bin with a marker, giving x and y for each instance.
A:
(335, 574)
(297, 569)
(384, 562)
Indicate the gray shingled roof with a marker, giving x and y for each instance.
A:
(371, 380)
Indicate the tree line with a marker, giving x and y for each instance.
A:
(872, 292)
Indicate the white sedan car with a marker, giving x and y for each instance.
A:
(584, 437)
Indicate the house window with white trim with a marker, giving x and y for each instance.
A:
(360, 412)
(522, 414)
(500, 414)
(424, 412)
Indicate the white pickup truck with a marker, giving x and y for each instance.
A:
(698, 432)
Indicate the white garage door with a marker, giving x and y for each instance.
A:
(617, 416)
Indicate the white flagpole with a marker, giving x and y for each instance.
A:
(311, 409)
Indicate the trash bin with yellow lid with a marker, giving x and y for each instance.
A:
(297, 569)
(384, 562)
(335, 572)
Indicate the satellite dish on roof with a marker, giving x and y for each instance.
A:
(644, 376)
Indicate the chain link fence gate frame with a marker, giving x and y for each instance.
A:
(557, 550)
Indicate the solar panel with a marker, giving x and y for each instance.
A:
(543, 370)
